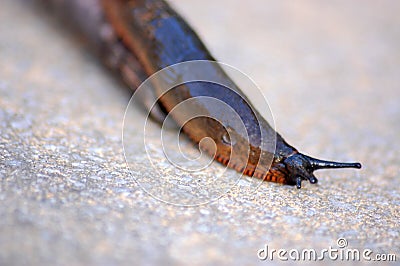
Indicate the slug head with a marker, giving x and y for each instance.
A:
(301, 167)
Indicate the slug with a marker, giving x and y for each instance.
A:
(137, 38)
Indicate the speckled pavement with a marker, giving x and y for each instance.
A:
(331, 73)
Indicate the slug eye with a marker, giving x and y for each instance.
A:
(228, 137)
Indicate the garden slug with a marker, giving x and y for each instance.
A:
(137, 38)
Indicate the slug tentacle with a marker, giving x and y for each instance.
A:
(301, 167)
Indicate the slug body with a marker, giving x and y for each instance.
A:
(137, 38)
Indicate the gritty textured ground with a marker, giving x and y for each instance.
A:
(331, 73)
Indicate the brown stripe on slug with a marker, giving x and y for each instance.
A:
(154, 36)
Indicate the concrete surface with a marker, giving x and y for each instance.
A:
(331, 72)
